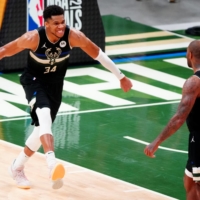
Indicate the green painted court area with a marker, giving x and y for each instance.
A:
(104, 129)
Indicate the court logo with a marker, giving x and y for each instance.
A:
(34, 14)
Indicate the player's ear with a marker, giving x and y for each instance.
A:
(190, 55)
(46, 24)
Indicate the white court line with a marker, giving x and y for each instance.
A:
(179, 26)
(160, 147)
(182, 62)
(152, 74)
(99, 110)
(134, 190)
(92, 91)
(182, 36)
(137, 36)
(91, 171)
(79, 171)
(148, 48)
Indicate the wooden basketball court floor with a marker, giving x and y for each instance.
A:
(79, 183)
(101, 132)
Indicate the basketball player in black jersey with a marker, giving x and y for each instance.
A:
(42, 81)
(189, 111)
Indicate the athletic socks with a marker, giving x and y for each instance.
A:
(23, 158)
(20, 160)
(51, 159)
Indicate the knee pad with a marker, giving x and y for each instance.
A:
(45, 121)
(33, 142)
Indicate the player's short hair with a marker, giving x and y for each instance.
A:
(194, 48)
(51, 11)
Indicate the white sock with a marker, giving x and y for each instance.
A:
(20, 160)
(51, 159)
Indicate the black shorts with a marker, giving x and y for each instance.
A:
(46, 94)
(193, 150)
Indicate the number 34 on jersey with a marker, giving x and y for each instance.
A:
(50, 69)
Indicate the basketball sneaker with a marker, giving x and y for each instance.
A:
(56, 175)
(19, 176)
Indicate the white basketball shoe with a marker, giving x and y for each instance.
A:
(19, 176)
(56, 175)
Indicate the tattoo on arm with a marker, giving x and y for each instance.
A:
(190, 92)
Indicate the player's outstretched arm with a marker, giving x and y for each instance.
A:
(10, 49)
(78, 39)
(28, 40)
(189, 95)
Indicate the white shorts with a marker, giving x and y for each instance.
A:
(188, 173)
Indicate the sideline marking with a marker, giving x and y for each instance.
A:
(97, 173)
(149, 57)
(131, 48)
(99, 110)
(138, 36)
(160, 147)
(134, 190)
(182, 62)
(174, 27)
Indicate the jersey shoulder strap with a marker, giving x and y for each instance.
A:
(197, 73)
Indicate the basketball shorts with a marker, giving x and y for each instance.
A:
(193, 163)
(41, 94)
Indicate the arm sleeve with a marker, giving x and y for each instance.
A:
(109, 64)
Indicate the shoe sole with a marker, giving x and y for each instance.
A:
(19, 186)
(58, 172)
(57, 184)
(23, 187)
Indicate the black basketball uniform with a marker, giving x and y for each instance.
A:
(193, 123)
(43, 77)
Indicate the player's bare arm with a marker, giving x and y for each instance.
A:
(28, 40)
(78, 39)
(10, 49)
(189, 95)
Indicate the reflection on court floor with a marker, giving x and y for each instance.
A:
(100, 132)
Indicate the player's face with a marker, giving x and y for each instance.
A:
(189, 59)
(56, 25)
